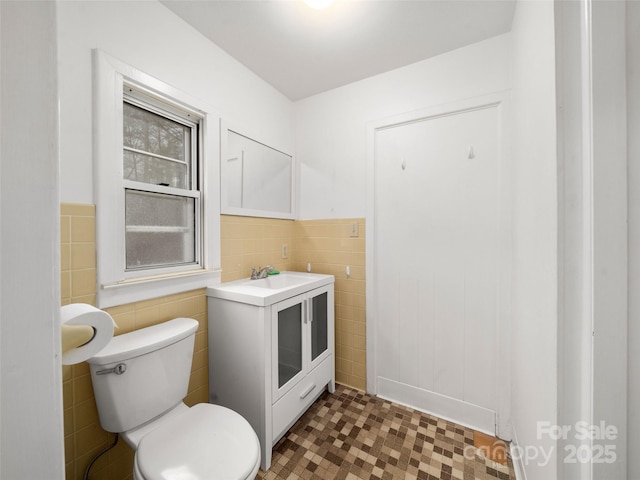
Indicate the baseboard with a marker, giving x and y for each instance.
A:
(447, 408)
(516, 456)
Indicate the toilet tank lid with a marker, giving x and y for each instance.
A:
(145, 340)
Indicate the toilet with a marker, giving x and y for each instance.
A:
(140, 380)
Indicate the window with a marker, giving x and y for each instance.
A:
(157, 187)
(160, 180)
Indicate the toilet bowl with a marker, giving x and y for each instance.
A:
(140, 380)
(205, 442)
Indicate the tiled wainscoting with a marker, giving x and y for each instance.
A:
(245, 242)
(83, 435)
(329, 248)
(248, 242)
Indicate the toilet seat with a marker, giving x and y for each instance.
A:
(207, 442)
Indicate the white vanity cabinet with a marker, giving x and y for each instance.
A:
(271, 349)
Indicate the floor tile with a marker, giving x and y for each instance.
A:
(351, 435)
(491, 447)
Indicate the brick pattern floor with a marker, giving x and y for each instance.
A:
(351, 435)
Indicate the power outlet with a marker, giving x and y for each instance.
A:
(353, 229)
(285, 250)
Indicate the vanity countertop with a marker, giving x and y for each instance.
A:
(270, 290)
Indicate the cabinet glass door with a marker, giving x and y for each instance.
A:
(319, 325)
(320, 322)
(289, 343)
(302, 337)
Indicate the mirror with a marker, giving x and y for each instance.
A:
(256, 180)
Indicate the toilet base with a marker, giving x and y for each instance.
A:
(138, 476)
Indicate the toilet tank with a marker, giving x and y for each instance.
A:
(142, 374)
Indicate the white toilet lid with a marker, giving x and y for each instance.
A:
(206, 442)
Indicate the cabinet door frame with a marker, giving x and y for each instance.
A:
(278, 391)
(308, 365)
(328, 289)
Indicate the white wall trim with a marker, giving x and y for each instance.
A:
(113, 287)
(447, 408)
(516, 457)
(371, 322)
(608, 137)
(587, 202)
(575, 228)
(501, 101)
(632, 16)
(593, 160)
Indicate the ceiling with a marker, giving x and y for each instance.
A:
(301, 51)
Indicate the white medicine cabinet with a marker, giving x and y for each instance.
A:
(256, 179)
(271, 351)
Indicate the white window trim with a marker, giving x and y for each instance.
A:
(114, 287)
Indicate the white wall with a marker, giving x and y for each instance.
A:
(331, 126)
(535, 272)
(151, 38)
(31, 441)
(633, 145)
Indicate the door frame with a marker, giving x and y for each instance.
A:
(501, 101)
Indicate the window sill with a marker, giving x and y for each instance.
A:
(145, 288)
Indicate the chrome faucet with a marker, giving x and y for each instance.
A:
(261, 272)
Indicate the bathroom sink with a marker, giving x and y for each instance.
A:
(267, 291)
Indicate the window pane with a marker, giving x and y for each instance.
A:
(289, 343)
(160, 229)
(319, 333)
(156, 171)
(149, 132)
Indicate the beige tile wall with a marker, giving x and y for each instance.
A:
(329, 248)
(83, 435)
(248, 242)
(78, 253)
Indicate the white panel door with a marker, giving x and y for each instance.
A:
(436, 240)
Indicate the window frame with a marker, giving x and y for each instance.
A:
(115, 284)
(192, 120)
